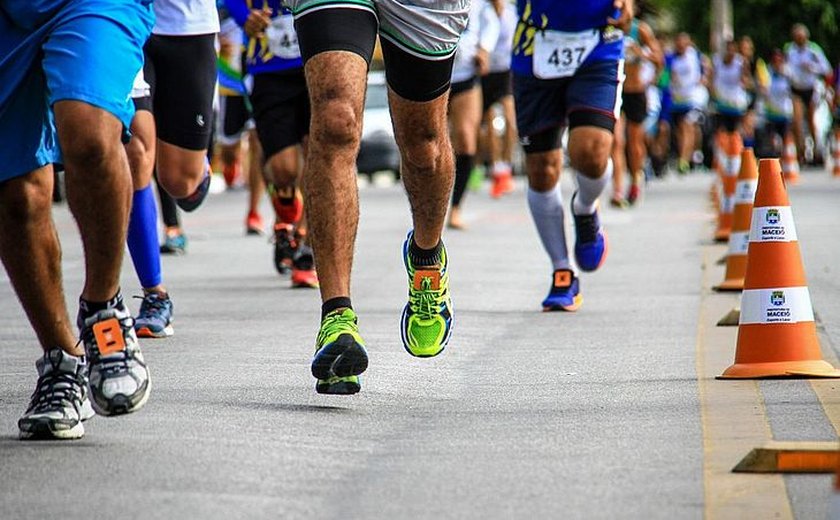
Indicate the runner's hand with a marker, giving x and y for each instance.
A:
(257, 21)
(482, 62)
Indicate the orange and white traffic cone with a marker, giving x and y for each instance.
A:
(739, 239)
(777, 336)
(834, 505)
(790, 164)
(730, 165)
(835, 154)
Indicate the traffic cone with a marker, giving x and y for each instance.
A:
(777, 336)
(834, 504)
(731, 164)
(739, 238)
(835, 154)
(790, 164)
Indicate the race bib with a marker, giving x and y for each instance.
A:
(559, 54)
(282, 38)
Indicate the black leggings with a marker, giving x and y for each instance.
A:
(463, 168)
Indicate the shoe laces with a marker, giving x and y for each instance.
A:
(334, 323)
(153, 305)
(425, 301)
(113, 364)
(54, 390)
(587, 227)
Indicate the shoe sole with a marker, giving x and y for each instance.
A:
(342, 358)
(565, 308)
(42, 430)
(121, 404)
(340, 388)
(146, 332)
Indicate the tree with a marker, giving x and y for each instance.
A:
(768, 22)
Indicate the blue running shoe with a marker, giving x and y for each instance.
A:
(192, 202)
(175, 242)
(564, 294)
(590, 240)
(155, 317)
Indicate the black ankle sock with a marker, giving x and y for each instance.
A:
(332, 304)
(89, 308)
(424, 257)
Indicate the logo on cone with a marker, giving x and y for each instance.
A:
(777, 336)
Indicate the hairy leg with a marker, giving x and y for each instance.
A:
(427, 162)
(336, 81)
(31, 253)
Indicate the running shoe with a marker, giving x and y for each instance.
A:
(340, 354)
(683, 167)
(590, 240)
(427, 318)
(254, 224)
(476, 180)
(155, 317)
(634, 194)
(564, 294)
(502, 184)
(175, 242)
(285, 246)
(618, 202)
(60, 401)
(192, 202)
(118, 377)
(303, 268)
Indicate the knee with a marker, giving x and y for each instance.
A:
(282, 172)
(141, 162)
(23, 200)
(422, 151)
(543, 170)
(336, 123)
(590, 157)
(86, 152)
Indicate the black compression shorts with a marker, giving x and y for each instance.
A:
(181, 71)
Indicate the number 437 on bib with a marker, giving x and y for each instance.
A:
(559, 54)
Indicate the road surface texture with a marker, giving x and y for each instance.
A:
(611, 412)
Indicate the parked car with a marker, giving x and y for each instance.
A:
(378, 151)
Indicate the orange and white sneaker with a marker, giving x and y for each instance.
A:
(502, 182)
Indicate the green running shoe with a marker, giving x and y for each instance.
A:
(427, 318)
(476, 181)
(340, 354)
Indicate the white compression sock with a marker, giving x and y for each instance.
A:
(590, 189)
(547, 211)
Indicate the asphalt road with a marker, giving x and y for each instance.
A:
(526, 415)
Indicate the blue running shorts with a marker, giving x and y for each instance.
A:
(54, 50)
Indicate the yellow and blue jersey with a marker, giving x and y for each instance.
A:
(565, 16)
(276, 49)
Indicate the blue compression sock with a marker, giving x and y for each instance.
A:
(143, 239)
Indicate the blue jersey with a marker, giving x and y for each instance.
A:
(277, 49)
(541, 21)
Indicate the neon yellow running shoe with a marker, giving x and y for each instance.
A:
(340, 354)
(427, 319)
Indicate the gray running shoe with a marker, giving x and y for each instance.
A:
(60, 401)
(118, 377)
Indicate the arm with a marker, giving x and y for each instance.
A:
(238, 10)
(823, 65)
(488, 36)
(654, 52)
